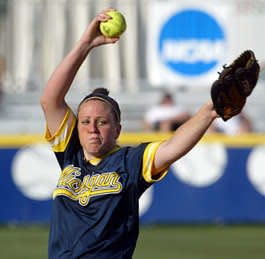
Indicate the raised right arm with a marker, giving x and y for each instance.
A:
(53, 97)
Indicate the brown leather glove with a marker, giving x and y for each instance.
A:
(235, 83)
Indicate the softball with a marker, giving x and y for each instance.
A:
(113, 27)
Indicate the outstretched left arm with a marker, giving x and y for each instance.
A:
(184, 138)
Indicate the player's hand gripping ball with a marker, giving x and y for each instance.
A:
(113, 27)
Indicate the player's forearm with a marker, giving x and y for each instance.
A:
(186, 136)
(63, 76)
(192, 131)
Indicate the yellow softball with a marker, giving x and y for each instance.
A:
(115, 26)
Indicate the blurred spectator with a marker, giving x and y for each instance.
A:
(2, 70)
(166, 116)
(236, 125)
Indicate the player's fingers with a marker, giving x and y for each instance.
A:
(103, 16)
(111, 40)
(108, 40)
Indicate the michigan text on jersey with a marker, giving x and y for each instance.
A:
(71, 186)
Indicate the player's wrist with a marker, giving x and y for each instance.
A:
(208, 110)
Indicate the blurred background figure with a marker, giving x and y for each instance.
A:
(239, 124)
(2, 70)
(166, 115)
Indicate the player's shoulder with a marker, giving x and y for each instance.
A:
(135, 149)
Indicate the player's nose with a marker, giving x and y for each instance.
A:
(92, 126)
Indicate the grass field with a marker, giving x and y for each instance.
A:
(155, 242)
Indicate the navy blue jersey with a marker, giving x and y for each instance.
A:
(95, 207)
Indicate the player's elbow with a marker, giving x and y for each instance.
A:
(50, 103)
(44, 102)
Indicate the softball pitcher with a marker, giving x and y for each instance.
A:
(96, 200)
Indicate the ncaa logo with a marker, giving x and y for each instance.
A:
(191, 43)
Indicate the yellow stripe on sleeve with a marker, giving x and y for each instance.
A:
(148, 160)
(61, 138)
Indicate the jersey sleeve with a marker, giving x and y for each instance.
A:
(61, 138)
(148, 160)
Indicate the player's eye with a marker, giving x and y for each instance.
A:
(101, 122)
(85, 122)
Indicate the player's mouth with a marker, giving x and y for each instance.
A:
(95, 141)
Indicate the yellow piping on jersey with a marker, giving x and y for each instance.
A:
(96, 160)
(148, 160)
(61, 138)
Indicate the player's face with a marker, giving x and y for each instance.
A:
(97, 128)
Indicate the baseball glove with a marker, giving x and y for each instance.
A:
(234, 84)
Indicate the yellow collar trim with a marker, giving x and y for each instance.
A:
(96, 160)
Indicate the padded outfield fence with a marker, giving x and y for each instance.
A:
(220, 181)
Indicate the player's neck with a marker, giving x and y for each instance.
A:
(94, 159)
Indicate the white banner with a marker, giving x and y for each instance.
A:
(187, 44)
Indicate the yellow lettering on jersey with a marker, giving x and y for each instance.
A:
(70, 186)
(68, 178)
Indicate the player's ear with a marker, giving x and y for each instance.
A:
(118, 130)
